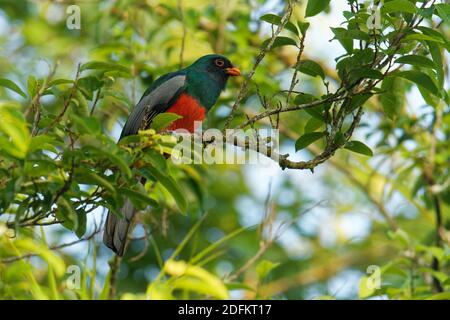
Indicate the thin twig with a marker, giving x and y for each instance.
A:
(97, 97)
(303, 106)
(66, 102)
(294, 76)
(36, 104)
(146, 245)
(244, 87)
(184, 32)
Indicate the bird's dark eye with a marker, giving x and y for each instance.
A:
(219, 62)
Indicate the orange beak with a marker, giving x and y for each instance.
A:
(234, 72)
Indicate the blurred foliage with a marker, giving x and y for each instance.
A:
(209, 231)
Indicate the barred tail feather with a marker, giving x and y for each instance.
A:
(116, 229)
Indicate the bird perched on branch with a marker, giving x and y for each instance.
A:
(190, 93)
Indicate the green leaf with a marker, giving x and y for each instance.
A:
(118, 95)
(315, 7)
(438, 36)
(32, 85)
(52, 283)
(429, 98)
(359, 100)
(195, 278)
(354, 34)
(345, 40)
(170, 184)
(113, 158)
(313, 124)
(87, 85)
(419, 61)
(339, 139)
(14, 133)
(399, 6)
(104, 66)
(158, 290)
(311, 68)
(437, 252)
(393, 99)
(308, 138)
(364, 290)
(43, 142)
(140, 198)
(81, 226)
(423, 37)
(303, 26)
(292, 28)
(12, 86)
(66, 214)
(358, 147)
(303, 98)
(198, 286)
(42, 250)
(156, 159)
(123, 167)
(442, 277)
(364, 73)
(437, 59)
(316, 112)
(271, 18)
(401, 236)
(264, 267)
(163, 120)
(439, 296)
(80, 102)
(421, 79)
(238, 286)
(280, 41)
(87, 176)
(57, 82)
(324, 297)
(86, 124)
(443, 10)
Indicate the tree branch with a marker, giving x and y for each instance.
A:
(244, 87)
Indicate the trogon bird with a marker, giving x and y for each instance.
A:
(190, 93)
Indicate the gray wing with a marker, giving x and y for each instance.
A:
(159, 97)
(157, 101)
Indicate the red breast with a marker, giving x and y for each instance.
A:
(190, 110)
